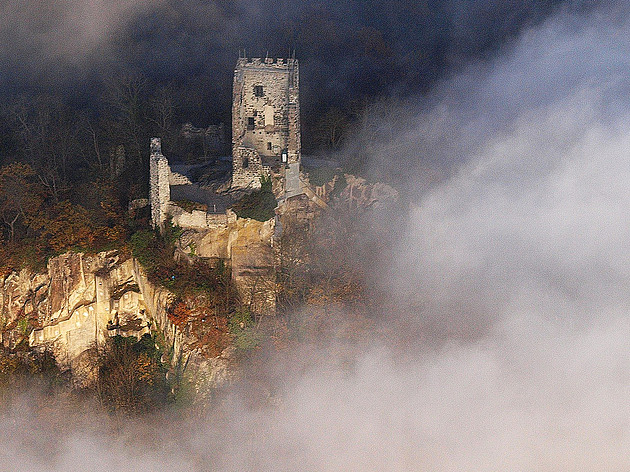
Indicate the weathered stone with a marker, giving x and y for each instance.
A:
(88, 299)
(159, 184)
(265, 119)
(137, 204)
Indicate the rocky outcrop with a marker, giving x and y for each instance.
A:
(82, 299)
(247, 246)
(75, 304)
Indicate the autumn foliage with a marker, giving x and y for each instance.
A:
(179, 313)
(36, 224)
(130, 375)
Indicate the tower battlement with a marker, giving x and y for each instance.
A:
(265, 118)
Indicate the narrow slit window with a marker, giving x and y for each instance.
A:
(245, 163)
(268, 146)
(258, 91)
(251, 123)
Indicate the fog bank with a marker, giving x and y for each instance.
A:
(517, 259)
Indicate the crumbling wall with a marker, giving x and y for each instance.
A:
(194, 144)
(197, 219)
(161, 205)
(175, 178)
(247, 168)
(160, 193)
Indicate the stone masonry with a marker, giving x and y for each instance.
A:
(265, 119)
(159, 183)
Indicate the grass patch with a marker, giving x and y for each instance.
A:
(189, 206)
(322, 175)
(259, 205)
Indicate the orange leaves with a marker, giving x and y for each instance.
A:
(146, 368)
(342, 290)
(212, 335)
(179, 313)
(38, 225)
(211, 331)
(69, 226)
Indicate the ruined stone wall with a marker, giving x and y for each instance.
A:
(196, 219)
(175, 178)
(294, 145)
(198, 144)
(247, 168)
(161, 205)
(265, 114)
(160, 193)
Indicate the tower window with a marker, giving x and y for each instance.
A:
(268, 146)
(250, 123)
(258, 91)
(245, 163)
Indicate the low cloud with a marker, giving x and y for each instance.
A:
(517, 254)
(43, 34)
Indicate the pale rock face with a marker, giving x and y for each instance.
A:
(22, 295)
(74, 303)
(361, 194)
(247, 244)
(89, 298)
(81, 300)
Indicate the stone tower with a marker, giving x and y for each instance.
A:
(160, 190)
(265, 120)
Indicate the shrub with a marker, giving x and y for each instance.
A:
(322, 175)
(179, 313)
(131, 376)
(259, 205)
(39, 367)
(243, 329)
(189, 206)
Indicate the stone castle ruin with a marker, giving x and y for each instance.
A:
(84, 299)
(168, 187)
(266, 123)
(160, 190)
(265, 143)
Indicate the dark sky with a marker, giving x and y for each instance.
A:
(350, 51)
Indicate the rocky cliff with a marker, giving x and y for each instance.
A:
(80, 301)
(247, 245)
(75, 304)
